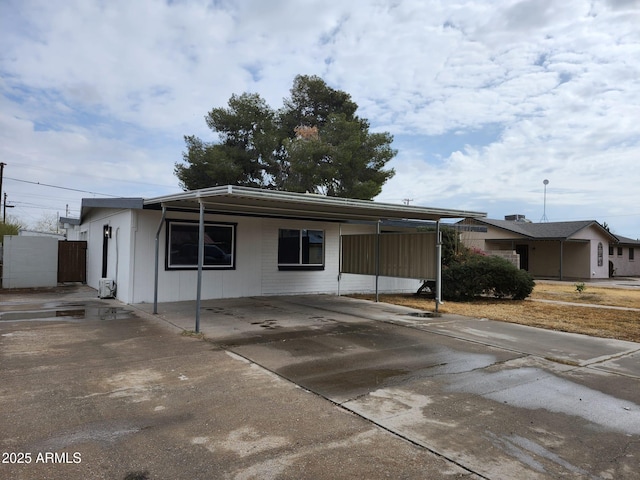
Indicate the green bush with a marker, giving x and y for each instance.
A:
(485, 275)
(8, 229)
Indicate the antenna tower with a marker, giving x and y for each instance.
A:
(544, 208)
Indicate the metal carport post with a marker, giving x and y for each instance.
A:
(438, 295)
(200, 263)
(155, 279)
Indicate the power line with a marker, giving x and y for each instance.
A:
(101, 177)
(61, 188)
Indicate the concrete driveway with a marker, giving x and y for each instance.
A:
(308, 387)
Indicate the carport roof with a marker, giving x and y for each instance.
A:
(254, 201)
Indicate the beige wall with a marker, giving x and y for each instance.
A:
(621, 263)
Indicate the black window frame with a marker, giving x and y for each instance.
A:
(620, 251)
(303, 250)
(632, 254)
(610, 250)
(169, 265)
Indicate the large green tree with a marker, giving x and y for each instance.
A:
(314, 143)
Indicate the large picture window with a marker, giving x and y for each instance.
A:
(219, 245)
(300, 249)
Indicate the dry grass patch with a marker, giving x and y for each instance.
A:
(600, 322)
(565, 292)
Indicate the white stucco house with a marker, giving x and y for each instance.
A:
(254, 242)
(562, 250)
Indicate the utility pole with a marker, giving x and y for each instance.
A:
(4, 210)
(2, 164)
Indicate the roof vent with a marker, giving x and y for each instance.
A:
(516, 218)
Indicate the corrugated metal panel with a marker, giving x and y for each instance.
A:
(359, 254)
(402, 255)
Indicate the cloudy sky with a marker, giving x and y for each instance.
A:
(485, 99)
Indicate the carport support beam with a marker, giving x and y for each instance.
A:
(377, 259)
(200, 263)
(155, 277)
(561, 251)
(438, 294)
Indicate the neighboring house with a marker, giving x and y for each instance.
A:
(255, 242)
(562, 250)
(622, 257)
(71, 227)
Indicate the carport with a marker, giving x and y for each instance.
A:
(415, 255)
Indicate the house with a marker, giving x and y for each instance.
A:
(562, 250)
(71, 227)
(622, 258)
(254, 242)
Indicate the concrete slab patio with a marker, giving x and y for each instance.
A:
(308, 387)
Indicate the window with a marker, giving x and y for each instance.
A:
(631, 253)
(619, 251)
(300, 249)
(600, 254)
(219, 245)
(610, 249)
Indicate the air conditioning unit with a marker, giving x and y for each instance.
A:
(106, 288)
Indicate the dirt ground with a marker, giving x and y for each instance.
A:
(535, 311)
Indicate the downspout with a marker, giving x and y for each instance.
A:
(200, 263)
(377, 259)
(155, 277)
(438, 295)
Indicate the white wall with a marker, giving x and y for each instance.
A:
(256, 271)
(595, 236)
(176, 285)
(30, 262)
(131, 259)
(122, 223)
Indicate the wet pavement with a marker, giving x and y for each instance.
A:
(312, 387)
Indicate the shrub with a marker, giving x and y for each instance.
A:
(485, 275)
(9, 229)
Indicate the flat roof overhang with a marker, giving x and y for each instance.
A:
(231, 199)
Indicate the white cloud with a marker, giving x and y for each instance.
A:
(91, 87)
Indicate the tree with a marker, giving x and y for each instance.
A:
(246, 148)
(314, 143)
(48, 223)
(10, 227)
(453, 250)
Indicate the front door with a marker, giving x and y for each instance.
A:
(523, 251)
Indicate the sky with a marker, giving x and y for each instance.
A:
(485, 99)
